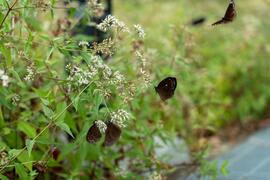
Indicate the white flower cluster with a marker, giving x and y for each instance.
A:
(81, 76)
(101, 126)
(120, 117)
(83, 43)
(4, 78)
(30, 73)
(139, 30)
(111, 22)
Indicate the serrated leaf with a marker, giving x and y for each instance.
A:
(47, 111)
(75, 102)
(65, 127)
(29, 146)
(14, 152)
(25, 127)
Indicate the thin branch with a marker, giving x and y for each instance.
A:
(9, 10)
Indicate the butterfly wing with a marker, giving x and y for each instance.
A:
(230, 12)
(112, 134)
(229, 15)
(93, 134)
(166, 88)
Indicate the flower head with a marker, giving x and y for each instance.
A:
(139, 30)
(119, 117)
(101, 126)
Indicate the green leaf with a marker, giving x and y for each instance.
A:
(75, 102)
(64, 127)
(47, 111)
(2, 121)
(33, 23)
(223, 168)
(18, 79)
(14, 152)
(25, 127)
(61, 109)
(29, 146)
(6, 53)
(21, 171)
(2, 177)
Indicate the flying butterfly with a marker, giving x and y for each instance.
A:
(198, 21)
(93, 134)
(112, 134)
(229, 15)
(166, 88)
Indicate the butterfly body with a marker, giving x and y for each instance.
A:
(93, 134)
(229, 15)
(166, 88)
(112, 134)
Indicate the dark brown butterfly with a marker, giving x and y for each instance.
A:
(93, 134)
(229, 15)
(112, 134)
(198, 21)
(166, 88)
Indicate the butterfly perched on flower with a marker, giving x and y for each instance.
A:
(93, 134)
(112, 133)
(166, 88)
(229, 15)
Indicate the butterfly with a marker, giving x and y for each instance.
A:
(166, 88)
(229, 15)
(112, 133)
(93, 134)
(198, 21)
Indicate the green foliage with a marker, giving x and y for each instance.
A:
(57, 87)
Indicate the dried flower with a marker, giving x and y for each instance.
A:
(106, 47)
(119, 117)
(143, 72)
(139, 30)
(101, 126)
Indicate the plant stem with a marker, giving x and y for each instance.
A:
(10, 8)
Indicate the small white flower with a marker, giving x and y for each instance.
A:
(4, 78)
(101, 126)
(83, 43)
(139, 30)
(30, 73)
